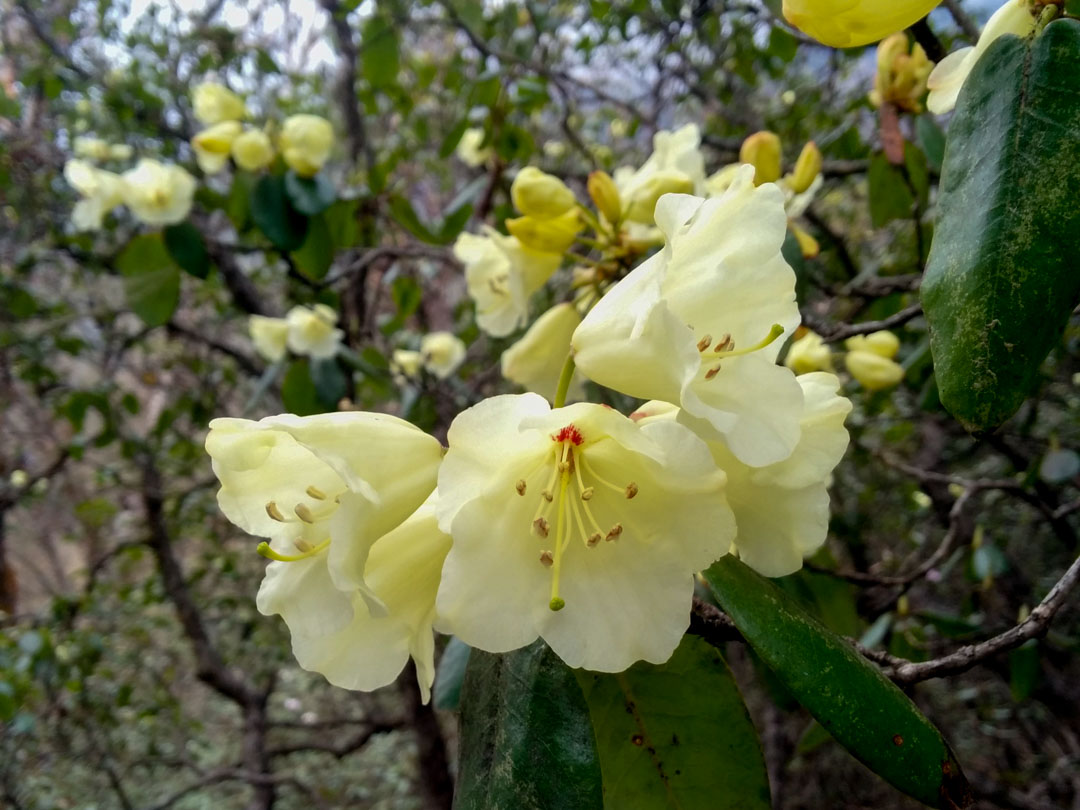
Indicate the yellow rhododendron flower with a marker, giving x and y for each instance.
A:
(90, 148)
(101, 191)
(536, 361)
(541, 195)
(882, 343)
(269, 336)
(312, 332)
(406, 363)
(782, 510)
(901, 75)
(578, 526)
(215, 103)
(763, 151)
(470, 149)
(501, 274)
(158, 193)
(548, 235)
(809, 353)
(849, 23)
(442, 352)
(872, 371)
(213, 145)
(701, 322)
(306, 141)
(323, 490)
(641, 204)
(675, 166)
(252, 150)
(946, 80)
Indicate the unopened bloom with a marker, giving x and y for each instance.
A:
(809, 353)
(213, 145)
(215, 103)
(605, 196)
(269, 336)
(700, 323)
(873, 372)
(763, 151)
(323, 489)
(501, 274)
(553, 235)
(536, 361)
(101, 191)
(1015, 17)
(807, 169)
(305, 143)
(443, 353)
(252, 150)
(849, 23)
(901, 73)
(470, 149)
(882, 343)
(90, 148)
(406, 363)
(782, 510)
(312, 332)
(541, 195)
(578, 526)
(158, 193)
(676, 166)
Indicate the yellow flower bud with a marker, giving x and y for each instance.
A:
(305, 143)
(212, 145)
(850, 23)
(809, 353)
(762, 150)
(442, 353)
(549, 235)
(605, 195)
(540, 195)
(90, 148)
(214, 103)
(901, 76)
(874, 372)
(406, 363)
(808, 245)
(470, 149)
(883, 344)
(807, 168)
(252, 150)
(642, 203)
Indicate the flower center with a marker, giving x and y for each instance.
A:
(565, 500)
(724, 348)
(320, 508)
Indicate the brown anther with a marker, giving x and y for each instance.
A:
(304, 513)
(274, 512)
(614, 532)
(547, 558)
(564, 466)
(631, 490)
(303, 546)
(725, 344)
(712, 372)
(587, 493)
(541, 526)
(594, 538)
(547, 495)
(520, 486)
(704, 343)
(316, 493)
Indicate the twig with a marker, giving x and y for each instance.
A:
(712, 624)
(963, 20)
(350, 107)
(242, 360)
(834, 333)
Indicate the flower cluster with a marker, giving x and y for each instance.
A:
(573, 523)
(156, 193)
(870, 359)
(306, 331)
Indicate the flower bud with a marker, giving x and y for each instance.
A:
(809, 353)
(807, 168)
(305, 143)
(470, 149)
(213, 144)
(406, 363)
(252, 150)
(540, 195)
(883, 344)
(548, 235)
(605, 196)
(874, 372)
(442, 353)
(762, 150)
(901, 76)
(214, 103)
(640, 206)
(808, 245)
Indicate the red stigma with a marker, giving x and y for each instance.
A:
(569, 434)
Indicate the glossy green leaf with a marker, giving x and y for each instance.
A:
(676, 735)
(848, 695)
(890, 196)
(329, 380)
(309, 195)
(315, 256)
(379, 51)
(526, 739)
(1025, 669)
(298, 393)
(271, 212)
(1001, 280)
(446, 693)
(188, 249)
(151, 279)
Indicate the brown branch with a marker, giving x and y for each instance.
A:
(340, 750)
(963, 20)
(242, 360)
(925, 36)
(832, 333)
(359, 145)
(711, 624)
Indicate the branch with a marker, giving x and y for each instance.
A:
(242, 360)
(961, 18)
(350, 108)
(832, 333)
(48, 41)
(711, 624)
(341, 750)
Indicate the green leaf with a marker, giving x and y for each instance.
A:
(446, 693)
(379, 57)
(526, 740)
(298, 393)
(329, 380)
(676, 735)
(238, 203)
(1025, 669)
(185, 244)
(271, 212)
(151, 279)
(890, 196)
(1001, 280)
(315, 256)
(342, 224)
(848, 695)
(309, 195)
(931, 139)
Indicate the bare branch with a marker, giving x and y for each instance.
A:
(833, 333)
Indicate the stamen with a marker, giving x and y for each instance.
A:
(316, 493)
(631, 490)
(557, 603)
(712, 372)
(724, 344)
(264, 550)
(587, 493)
(614, 532)
(775, 331)
(304, 513)
(594, 539)
(592, 471)
(547, 559)
(547, 496)
(541, 526)
(704, 343)
(274, 512)
(520, 486)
